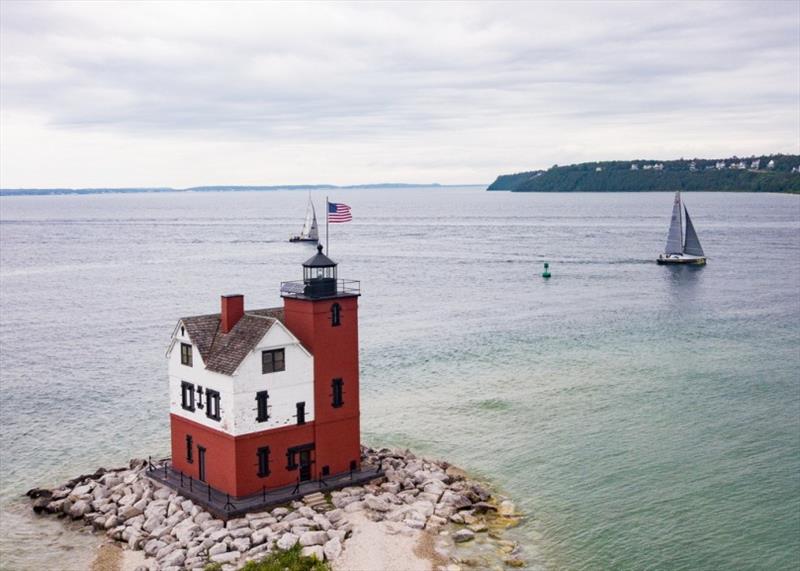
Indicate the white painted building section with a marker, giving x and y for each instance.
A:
(238, 407)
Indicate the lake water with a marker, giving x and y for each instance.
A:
(644, 417)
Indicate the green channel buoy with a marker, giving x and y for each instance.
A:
(546, 273)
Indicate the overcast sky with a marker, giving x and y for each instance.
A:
(181, 94)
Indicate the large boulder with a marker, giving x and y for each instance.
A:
(79, 509)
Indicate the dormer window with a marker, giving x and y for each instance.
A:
(336, 315)
(186, 354)
(273, 361)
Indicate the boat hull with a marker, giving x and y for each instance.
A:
(682, 259)
(299, 239)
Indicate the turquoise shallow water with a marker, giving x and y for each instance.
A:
(644, 417)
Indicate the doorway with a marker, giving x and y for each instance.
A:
(201, 463)
(305, 465)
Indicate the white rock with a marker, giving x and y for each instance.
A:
(313, 551)
(218, 548)
(313, 538)
(241, 544)
(356, 506)
(166, 550)
(507, 508)
(229, 557)
(463, 535)
(153, 546)
(176, 558)
(337, 533)
(79, 509)
(129, 512)
(279, 512)
(152, 523)
(376, 504)
(306, 511)
(424, 507)
(322, 522)
(334, 515)
(287, 541)
(237, 523)
(219, 535)
(332, 548)
(391, 487)
(241, 532)
(256, 524)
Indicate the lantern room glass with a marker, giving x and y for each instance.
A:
(318, 273)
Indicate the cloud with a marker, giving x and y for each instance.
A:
(371, 92)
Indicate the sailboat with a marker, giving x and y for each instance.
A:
(682, 250)
(309, 233)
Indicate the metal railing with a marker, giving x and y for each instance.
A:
(226, 506)
(299, 288)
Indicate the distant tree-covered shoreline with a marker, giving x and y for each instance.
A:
(765, 173)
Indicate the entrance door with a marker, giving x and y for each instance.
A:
(201, 463)
(305, 465)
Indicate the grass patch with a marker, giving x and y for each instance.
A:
(283, 560)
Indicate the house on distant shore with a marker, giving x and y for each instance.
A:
(721, 165)
(771, 164)
(634, 167)
(755, 165)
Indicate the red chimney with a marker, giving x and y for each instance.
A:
(232, 311)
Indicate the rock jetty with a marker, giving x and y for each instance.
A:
(414, 496)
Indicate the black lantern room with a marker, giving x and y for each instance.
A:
(319, 275)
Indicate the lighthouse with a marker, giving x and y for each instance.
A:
(265, 399)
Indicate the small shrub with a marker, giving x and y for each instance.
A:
(213, 567)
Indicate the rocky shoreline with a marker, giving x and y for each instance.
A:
(429, 500)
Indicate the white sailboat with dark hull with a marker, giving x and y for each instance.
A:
(682, 249)
(310, 233)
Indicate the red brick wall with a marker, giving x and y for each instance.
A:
(232, 463)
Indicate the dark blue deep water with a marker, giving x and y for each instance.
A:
(644, 417)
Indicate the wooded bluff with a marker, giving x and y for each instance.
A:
(765, 173)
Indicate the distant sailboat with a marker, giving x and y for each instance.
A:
(682, 250)
(309, 232)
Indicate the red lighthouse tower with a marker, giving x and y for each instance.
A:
(324, 317)
(266, 399)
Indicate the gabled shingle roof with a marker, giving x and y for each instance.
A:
(224, 352)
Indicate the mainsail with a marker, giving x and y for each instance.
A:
(675, 235)
(692, 246)
(310, 231)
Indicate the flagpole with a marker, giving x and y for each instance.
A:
(327, 209)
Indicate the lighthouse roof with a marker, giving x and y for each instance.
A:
(319, 260)
(224, 352)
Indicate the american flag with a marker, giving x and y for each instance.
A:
(338, 212)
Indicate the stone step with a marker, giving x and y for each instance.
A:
(314, 500)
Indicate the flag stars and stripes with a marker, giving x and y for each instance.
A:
(339, 212)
